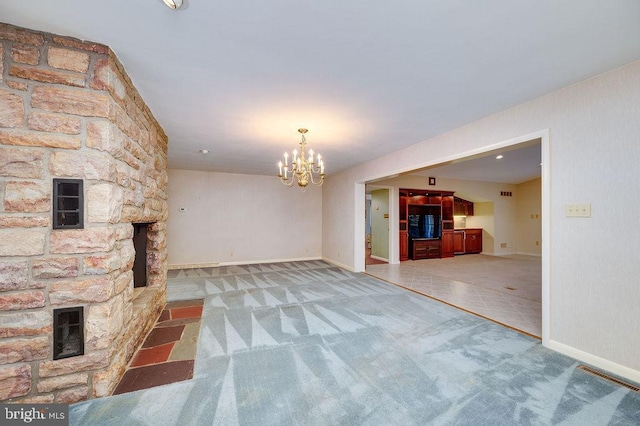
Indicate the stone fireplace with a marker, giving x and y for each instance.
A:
(69, 112)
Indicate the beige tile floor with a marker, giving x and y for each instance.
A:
(506, 289)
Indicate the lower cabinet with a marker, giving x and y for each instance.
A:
(425, 249)
(447, 244)
(404, 245)
(467, 241)
(458, 242)
(473, 241)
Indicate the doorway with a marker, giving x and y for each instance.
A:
(542, 140)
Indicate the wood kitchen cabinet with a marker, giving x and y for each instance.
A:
(458, 242)
(425, 223)
(462, 207)
(473, 240)
(425, 249)
(447, 243)
(404, 245)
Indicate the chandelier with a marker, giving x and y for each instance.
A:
(301, 169)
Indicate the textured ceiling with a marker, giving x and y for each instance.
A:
(365, 77)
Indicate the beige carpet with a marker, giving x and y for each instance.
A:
(515, 275)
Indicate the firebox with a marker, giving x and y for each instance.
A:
(68, 332)
(140, 261)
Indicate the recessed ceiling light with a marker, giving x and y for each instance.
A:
(204, 151)
(499, 157)
(173, 4)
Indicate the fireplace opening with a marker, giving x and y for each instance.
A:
(140, 261)
(68, 332)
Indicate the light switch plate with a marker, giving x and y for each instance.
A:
(578, 210)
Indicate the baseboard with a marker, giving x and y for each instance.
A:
(380, 258)
(499, 254)
(530, 254)
(596, 361)
(193, 265)
(338, 264)
(245, 262)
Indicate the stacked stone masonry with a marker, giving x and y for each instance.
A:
(69, 110)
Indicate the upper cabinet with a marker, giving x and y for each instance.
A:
(462, 207)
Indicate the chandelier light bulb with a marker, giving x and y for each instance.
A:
(173, 4)
(303, 170)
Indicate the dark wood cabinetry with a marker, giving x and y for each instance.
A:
(404, 245)
(447, 243)
(467, 241)
(404, 235)
(458, 242)
(425, 223)
(473, 241)
(462, 207)
(425, 249)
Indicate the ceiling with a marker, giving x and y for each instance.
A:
(516, 164)
(238, 78)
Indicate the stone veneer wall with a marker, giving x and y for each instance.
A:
(68, 110)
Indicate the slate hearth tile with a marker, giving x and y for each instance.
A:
(190, 312)
(186, 348)
(161, 335)
(154, 355)
(184, 303)
(155, 375)
(179, 321)
(165, 315)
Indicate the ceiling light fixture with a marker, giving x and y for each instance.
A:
(204, 151)
(302, 170)
(499, 157)
(173, 4)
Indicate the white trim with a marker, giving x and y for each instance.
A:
(501, 254)
(529, 254)
(194, 265)
(247, 262)
(379, 258)
(544, 136)
(546, 236)
(596, 361)
(393, 243)
(340, 265)
(360, 198)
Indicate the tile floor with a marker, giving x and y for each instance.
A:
(168, 353)
(504, 289)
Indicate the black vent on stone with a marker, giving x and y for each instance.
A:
(68, 332)
(68, 204)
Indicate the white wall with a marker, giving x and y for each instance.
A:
(590, 265)
(234, 218)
